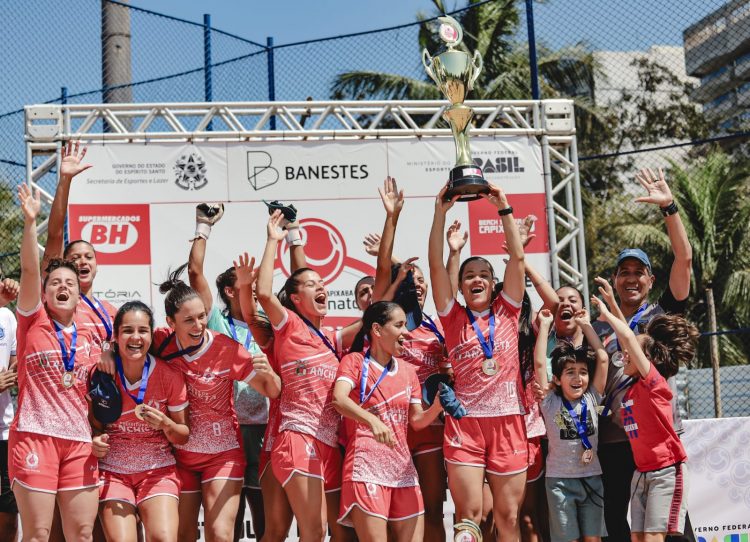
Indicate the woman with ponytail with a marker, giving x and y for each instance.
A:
(305, 458)
(137, 467)
(380, 397)
(211, 464)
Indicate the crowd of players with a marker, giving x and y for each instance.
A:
(544, 425)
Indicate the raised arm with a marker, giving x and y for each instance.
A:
(70, 165)
(264, 287)
(403, 271)
(550, 299)
(545, 319)
(626, 338)
(244, 268)
(206, 216)
(583, 321)
(608, 295)
(30, 289)
(442, 293)
(513, 281)
(393, 202)
(372, 246)
(660, 194)
(456, 241)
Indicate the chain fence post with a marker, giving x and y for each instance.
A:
(714, 347)
(271, 77)
(532, 50)
(207, 82)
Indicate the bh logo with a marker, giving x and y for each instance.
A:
(110, 237)
(324, 248)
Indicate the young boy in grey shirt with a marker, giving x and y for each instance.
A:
(573, 474)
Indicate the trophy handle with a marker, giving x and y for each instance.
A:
(427, 63)
(478, 64)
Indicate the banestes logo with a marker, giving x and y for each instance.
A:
(261, 174)
(120, 234)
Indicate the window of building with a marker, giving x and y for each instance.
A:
(714, 74)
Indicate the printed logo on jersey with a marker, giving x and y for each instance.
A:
(372, 489)
(310, 449)
(32, 460)
(190, 172)
(120, 234)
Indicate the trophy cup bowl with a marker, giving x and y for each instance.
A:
(455, 73)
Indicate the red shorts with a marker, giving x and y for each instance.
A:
(51, 464)
(264, 460)
(194, 469)
(498, 444)
(298, 453)
(536, 460)
(388, 503)
(429, 439)
(136, 488)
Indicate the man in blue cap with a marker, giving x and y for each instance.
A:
(633, 281)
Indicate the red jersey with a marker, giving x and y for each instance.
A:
(134, 446)
(425, 352)
(45, 405)
(87, 317)
(483, 395)
(209, 376)
(308, 369)
(647, 419)
(272, 426)
(366, 459)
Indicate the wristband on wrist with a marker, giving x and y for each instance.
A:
(669, 210)
(293, 237)
(202, 230)
(504, 212)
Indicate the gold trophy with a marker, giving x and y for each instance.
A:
(455, 73)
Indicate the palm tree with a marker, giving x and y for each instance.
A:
(713, 194)
(490, 28)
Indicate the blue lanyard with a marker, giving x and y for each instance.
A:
(580, 423)
(322, 337)
(629, 381)
(429, 324)
(363, 380)
(184, 352)
(101, 312)
(633, 322)
(233, 329)
(487, 345)
(144, 378)
(68, 358)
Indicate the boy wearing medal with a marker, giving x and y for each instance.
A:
(573, 473)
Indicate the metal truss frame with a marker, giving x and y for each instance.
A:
(47, 127)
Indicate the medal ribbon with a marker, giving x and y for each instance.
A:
(580, 422)
(184, 352)
(629, 381)
(429, 324)
(101, 312)
(363, 380)
(233, 330)
(144, 379)
(488, 346)
(322, 337)
(68, 358)
(633, 322)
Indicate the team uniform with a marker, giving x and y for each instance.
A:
(140, 463)
(7, 350)
(272, 427)
(251, 407)
(425, 350)
(96, 315)
(660, 484)
(380, 480)
(535, 431)
(307, 442)
(50, 437)
(213, 451)
(492, 434)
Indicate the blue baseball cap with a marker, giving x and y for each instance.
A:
(636, 253)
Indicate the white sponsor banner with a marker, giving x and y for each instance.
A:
(119, 284)
(131, 173)
(314, 170)
(422, 166)
(719, 467)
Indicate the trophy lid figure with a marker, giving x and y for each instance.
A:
(455, 72)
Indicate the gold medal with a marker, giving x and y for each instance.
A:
(68, 379)
(587, 456)
(139, 411)
(489, 367)
(105, 346)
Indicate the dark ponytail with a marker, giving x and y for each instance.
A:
(226, 280)
(377, 313)
(177, 291)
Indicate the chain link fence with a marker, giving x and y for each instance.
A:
(656, 84)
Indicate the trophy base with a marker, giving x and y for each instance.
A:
(466, 182)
